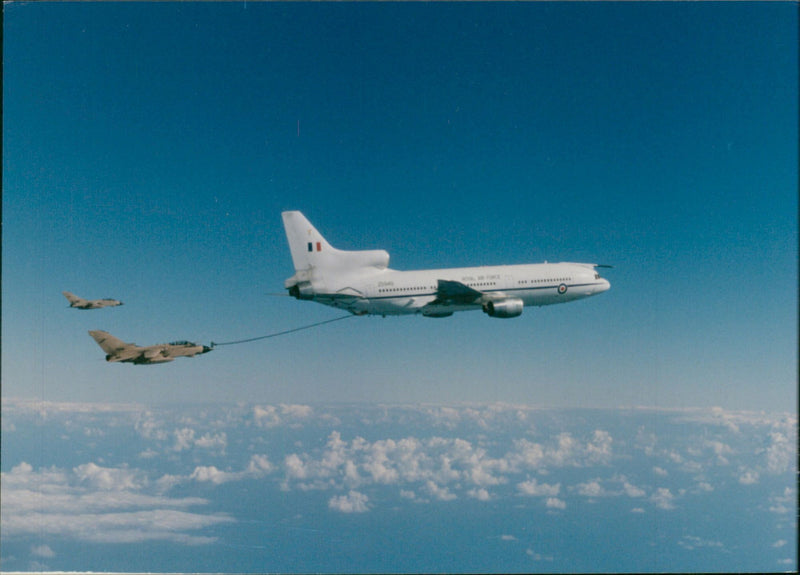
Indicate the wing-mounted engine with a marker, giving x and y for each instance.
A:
(503, 308)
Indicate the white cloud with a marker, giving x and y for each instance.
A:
(598, 450)
(538, 556)
(785, 503)
(631, 490)
(395, 462)
(534, 488)
(781, 453)
(732, 420)
(106, 478)
(485, 459)
(446, 416)
(118, 527)
(208, 441)
(266, 416)
(148, 427)
(566, 451)
(748, 477)
(258, 466)
(726, 419)
(269, 416)
(507, 538)
(530, 455)
(591, 489)
(97, 504)
(42, 551)
(563, 450)
(691, 542)
(720, 449)
(295, 467)
(297, 411)
(479, 494)
(167, 482)
(148, 454)
(441, 466)
(212, 474)
(663, 498)
(353, 502)
(439, 492)
(377, 463)
(44, 409)
(184, 439)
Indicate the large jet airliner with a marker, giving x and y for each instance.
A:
(362, 283)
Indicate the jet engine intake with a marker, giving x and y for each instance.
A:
(511, 307)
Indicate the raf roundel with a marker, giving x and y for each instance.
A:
(562, 289)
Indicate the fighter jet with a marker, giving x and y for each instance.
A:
(80, 303)
(118, 350)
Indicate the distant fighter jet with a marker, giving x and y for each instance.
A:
(362, 283)
(118, 350)
(80, 303)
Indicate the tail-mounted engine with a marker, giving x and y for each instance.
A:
(303, 285)
(302, 290)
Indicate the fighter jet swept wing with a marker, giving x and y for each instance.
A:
(118, 350)
(80, 303)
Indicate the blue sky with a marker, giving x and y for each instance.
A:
(148, 150)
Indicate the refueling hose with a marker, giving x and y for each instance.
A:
(288, 331)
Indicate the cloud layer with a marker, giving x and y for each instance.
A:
(155, 475)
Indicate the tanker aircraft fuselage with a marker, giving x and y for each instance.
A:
(362, 283)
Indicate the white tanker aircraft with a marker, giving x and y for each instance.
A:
(362, 283)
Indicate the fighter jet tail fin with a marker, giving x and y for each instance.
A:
(310, 250)
(72, 298)
(108, 342)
